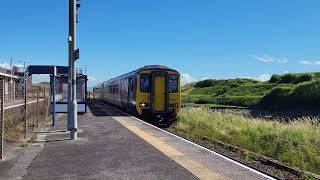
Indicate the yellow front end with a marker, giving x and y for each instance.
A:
(158, 93)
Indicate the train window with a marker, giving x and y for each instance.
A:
(145, 85)
(173, 83)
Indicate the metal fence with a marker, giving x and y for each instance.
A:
(21, 117)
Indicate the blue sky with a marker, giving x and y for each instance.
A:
(201, 39)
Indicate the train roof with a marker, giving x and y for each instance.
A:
(148, 67)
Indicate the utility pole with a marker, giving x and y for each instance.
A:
(74, 5)
(70, 64)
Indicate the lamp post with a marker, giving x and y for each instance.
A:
(74, 6)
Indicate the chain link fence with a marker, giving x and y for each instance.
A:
(22, 116)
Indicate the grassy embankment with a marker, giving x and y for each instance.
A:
(296, 143)
(288, 91)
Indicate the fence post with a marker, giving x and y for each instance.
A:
(1, 117)
(38, 107)
(25, 110)
(44, 104)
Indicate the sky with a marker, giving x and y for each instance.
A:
(201, 39)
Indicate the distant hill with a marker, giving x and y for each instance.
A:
(288, 91)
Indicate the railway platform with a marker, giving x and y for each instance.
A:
(115, 145)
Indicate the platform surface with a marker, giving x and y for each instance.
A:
(113, 145)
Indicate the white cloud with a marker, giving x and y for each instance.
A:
(263, 77)
(91, 78)
(187, 78)
(204, 78)
(317, 62)
(5, 65)
(92, 81)
(307, 62)
(270, 59)
(245, 77)
(285, 72)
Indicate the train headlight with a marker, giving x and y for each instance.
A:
(174, 105)
(143, 104)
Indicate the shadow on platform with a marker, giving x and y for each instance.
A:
(99, 109)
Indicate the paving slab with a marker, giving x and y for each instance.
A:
(115, 145)
(105, 150)
(212, 165)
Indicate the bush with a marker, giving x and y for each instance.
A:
(288, 78)
(303, 78)
(204, 83)
(305, 96)
(277, 98)
(275, 78)
(308, 89)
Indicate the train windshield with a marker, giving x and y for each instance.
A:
(145, 83)
(173, 83)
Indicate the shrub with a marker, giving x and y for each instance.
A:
(307, 95)
(275, 78)
(277, 98)
(303, 78)
(317, 74)
(308, 89)
(288, 78)
(204, 83)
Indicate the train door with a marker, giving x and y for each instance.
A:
(159, 91)
(160, 94)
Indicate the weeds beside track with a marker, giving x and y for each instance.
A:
(295, 143)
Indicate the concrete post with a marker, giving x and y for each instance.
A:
(38, 108)
(54, 96)
(72, 114)
(44, 104)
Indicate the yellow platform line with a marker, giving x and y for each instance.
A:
(191, 165)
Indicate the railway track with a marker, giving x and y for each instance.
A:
(239, 163)
(277, 165)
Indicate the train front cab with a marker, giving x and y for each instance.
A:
(158, 94)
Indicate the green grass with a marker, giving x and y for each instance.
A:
(305, 95)
(212, 106)
(254, 94)
(236, 92)
(296, 143)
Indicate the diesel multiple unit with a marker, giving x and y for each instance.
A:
(151, 91)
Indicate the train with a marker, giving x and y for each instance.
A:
(151, 92)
